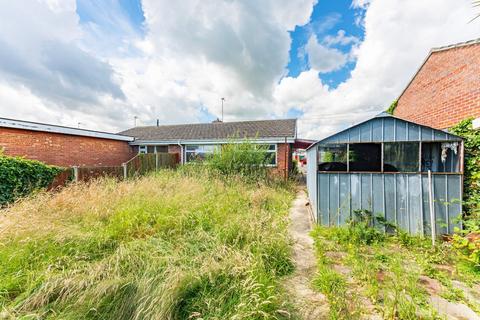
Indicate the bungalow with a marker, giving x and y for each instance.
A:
(193, 141)
(445, 89)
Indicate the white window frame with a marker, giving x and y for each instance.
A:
(275, 150)
(143, 149)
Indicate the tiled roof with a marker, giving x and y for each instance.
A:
(216, 130)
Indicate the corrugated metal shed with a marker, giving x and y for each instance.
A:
(400, 197)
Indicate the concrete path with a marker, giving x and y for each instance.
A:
(309, 303)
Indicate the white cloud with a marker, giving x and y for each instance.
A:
(41, 57)
(322, 58)
(340, 38)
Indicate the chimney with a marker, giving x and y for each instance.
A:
(158, 122)
(217, 121)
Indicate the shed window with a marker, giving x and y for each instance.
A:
(365, 157)
(332, 157)
(400, 157)
(440, 157)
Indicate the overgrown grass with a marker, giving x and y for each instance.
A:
(392, 268)
(172, 245)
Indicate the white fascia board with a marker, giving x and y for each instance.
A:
(27, 125)
(222, 141)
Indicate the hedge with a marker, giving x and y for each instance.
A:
(19, 177)
(472, 165)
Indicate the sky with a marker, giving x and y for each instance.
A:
(97, 64)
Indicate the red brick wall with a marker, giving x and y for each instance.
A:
(284, 159)
(446, 90)
(64, 150)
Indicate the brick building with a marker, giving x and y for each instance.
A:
(445, 89)
(63, 146)
(195, 141)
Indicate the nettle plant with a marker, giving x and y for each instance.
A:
(468, 239)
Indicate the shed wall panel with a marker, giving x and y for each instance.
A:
(402, 198)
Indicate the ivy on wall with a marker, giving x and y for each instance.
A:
(392, 107)
(19, 177)
(468, 240)
(472, 165)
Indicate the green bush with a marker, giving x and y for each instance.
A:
(19, 177)
(465, 240)
(244, 159)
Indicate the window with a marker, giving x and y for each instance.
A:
(365, 157)
(152, 149)
(332, 157)
(440, 157)
(199, 152)
(400, 157)
(161, 149)
(270, 153)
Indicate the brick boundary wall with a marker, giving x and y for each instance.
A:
(64, 150)
(446, 89)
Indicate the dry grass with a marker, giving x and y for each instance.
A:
(175, 245)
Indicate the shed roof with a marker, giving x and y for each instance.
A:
(216, 130)
(387, 128)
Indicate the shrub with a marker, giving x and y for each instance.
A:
(244, 159)
(19, 177)
(467, 241)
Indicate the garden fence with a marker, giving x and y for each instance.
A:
(137, 166)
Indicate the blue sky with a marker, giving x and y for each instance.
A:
(327, 19)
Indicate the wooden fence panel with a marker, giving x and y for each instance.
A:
(144, 163)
